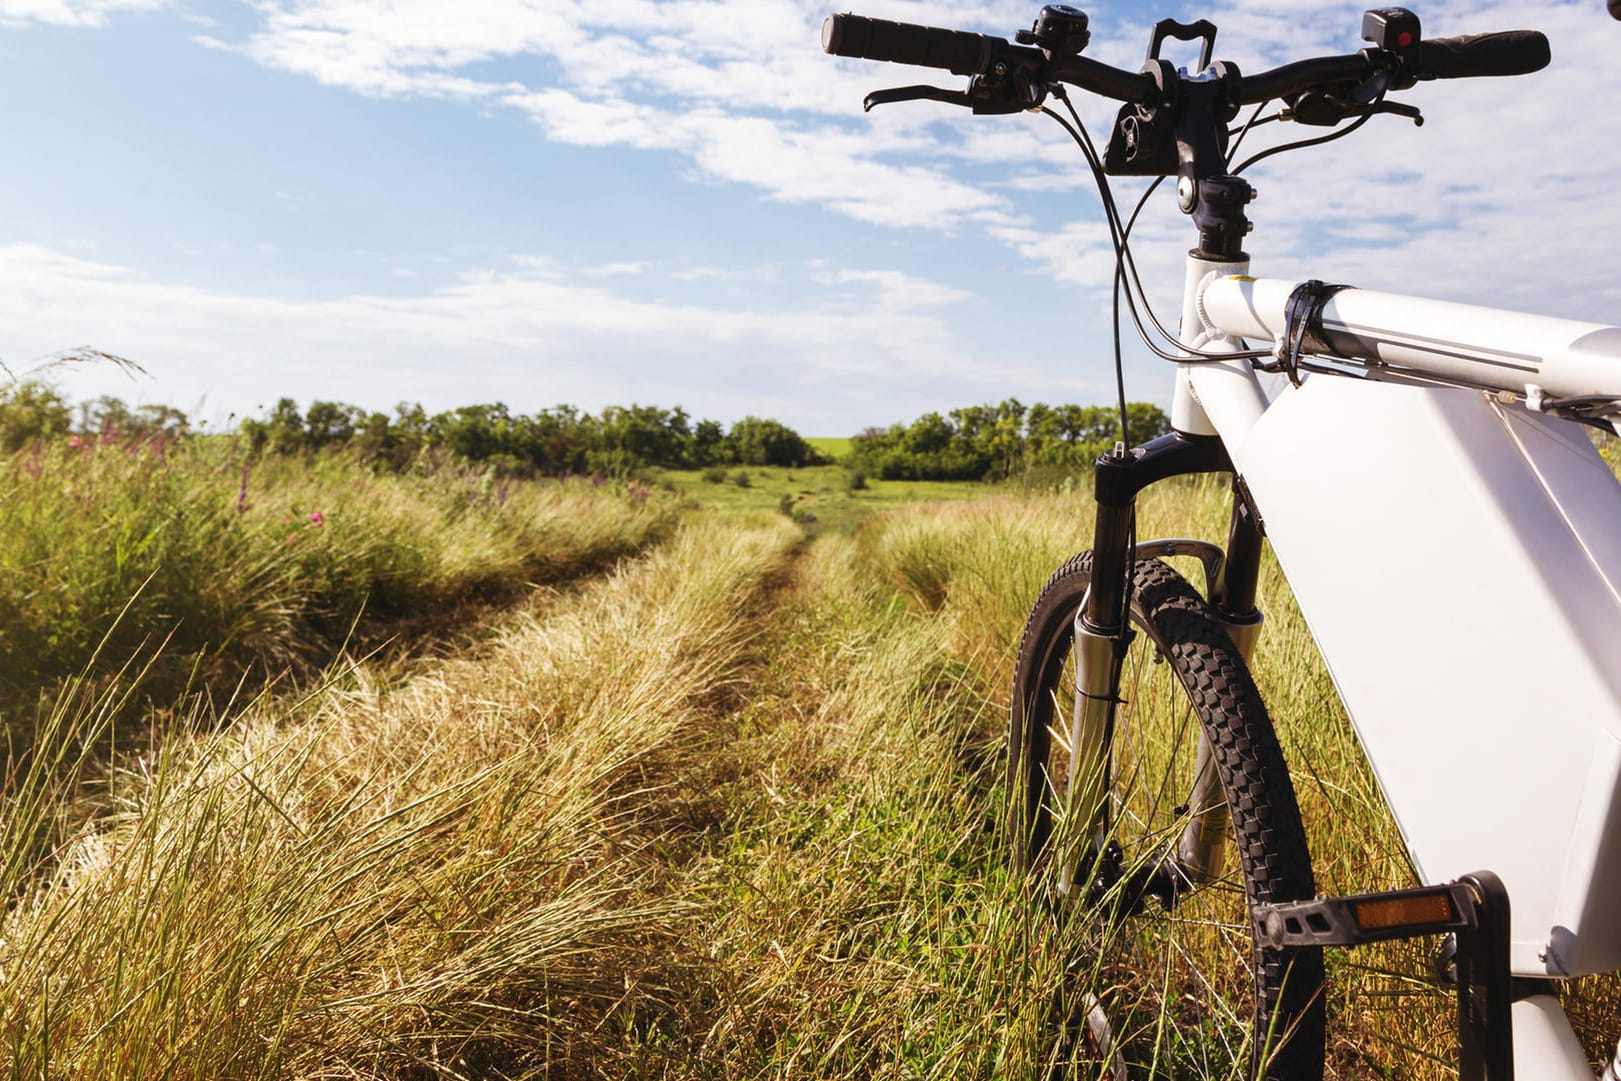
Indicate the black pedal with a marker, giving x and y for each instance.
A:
(1474, 909)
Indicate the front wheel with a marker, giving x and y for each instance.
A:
(1186, 991)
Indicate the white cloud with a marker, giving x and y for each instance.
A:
(628, 268)
(894, 290)
(522, 332)
(1505, 195)
(742, 90)
(81, 13)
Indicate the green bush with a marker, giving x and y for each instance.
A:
(30, 412)
(757, 441)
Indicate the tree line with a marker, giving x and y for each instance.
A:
(1001, 442)
(554, 441)
(978, 442)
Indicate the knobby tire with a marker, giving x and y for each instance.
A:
(1186, 987)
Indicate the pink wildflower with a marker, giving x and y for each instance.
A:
(317, 517)
(74, 441)
(292, 538)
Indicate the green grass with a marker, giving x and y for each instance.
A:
(461, 873)
(836, 447)
(820, 496)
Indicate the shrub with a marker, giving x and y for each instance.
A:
(741, 478)
(31, 412)
(715, 474)
(757, 441)
(1000, 442)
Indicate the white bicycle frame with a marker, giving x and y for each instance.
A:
(1457, 555)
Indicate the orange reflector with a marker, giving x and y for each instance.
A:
(1403, 911)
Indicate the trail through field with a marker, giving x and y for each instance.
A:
(731, 811)
(727, 812)
(391, 880)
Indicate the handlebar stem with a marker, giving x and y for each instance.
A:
(1218, 211)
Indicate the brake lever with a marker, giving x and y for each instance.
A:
(1319, 109)
(1327, 107)
(915, 93)
(1002, 90)
(1398, 109)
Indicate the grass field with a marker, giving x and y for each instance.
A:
(206, 567)
(723, 800)
(819, 496)
(836, 447)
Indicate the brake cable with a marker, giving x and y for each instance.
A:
(1337, 133)
(1254, 121)
(1124, 259)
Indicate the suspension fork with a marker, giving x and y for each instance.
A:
(1102, 631)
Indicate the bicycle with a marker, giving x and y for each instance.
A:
(1128, 782)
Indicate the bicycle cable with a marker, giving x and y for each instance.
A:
(1126, 261)
(1126, 272)
(1119, 281)
(1253, 122)
(1337, 133)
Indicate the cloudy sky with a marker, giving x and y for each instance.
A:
(680, 202)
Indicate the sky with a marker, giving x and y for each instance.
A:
(681, 202)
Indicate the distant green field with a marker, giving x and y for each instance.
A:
(817, 495)
(836, 447)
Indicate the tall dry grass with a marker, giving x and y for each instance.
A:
(861, 922)
(108, 548)
(452, 877)
(734, 811)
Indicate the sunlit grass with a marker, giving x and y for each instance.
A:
(835, 447)
(820, 497)
(238, 564)
(733, 810)
(457, 875)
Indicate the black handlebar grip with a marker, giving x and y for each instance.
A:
(1508, 52)
(957, 51)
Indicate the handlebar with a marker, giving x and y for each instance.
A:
(1509, 52)
(964, 53)
(958, 51)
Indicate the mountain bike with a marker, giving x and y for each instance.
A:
(1422, 473)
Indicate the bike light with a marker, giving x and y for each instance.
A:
(1405, 910)
(1395, 30)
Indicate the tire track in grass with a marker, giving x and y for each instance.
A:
(457, 876)
(852, 916)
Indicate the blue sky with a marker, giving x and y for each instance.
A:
(681, 203)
